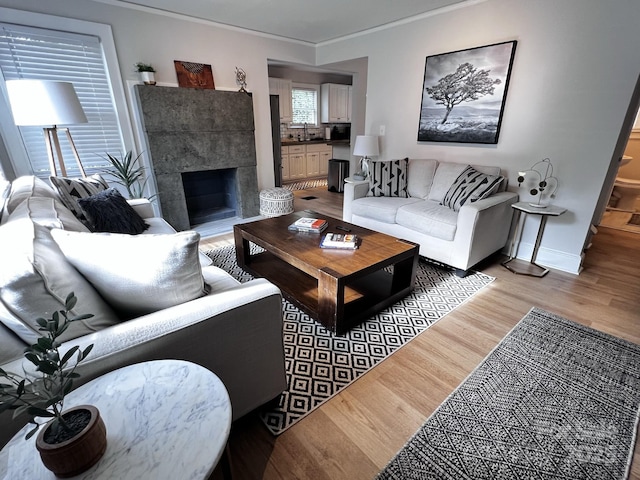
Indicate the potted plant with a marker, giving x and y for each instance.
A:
(147, 73)
(128, 172)
(73, 440)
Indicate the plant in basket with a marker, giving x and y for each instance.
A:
(72, 440)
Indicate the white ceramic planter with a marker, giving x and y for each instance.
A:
(148, 78)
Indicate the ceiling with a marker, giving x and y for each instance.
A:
(303, 20)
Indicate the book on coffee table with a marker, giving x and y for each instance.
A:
(344, 241)
(310, 225)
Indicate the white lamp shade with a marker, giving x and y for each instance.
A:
(42, 102)
(366, 146)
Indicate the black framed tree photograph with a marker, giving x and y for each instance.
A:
(464, 94)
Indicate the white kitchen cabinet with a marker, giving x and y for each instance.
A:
(282, 88)
(335, 103)
(313, 164)
(286, 175)
(324, 162)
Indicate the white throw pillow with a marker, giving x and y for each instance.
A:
(35, 279)
(137, 274)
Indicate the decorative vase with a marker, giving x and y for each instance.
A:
(149, 78)
(76, 455)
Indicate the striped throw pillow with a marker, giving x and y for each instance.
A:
(72, 189)
(470, 186)
(388, 179)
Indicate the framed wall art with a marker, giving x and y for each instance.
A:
(464, 93)
(194, 75)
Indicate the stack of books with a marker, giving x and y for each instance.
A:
(344, 241)
(309, 225)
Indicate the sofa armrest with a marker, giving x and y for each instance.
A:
(483, 228)
(142, 206)
(353, 189)
(237, 334)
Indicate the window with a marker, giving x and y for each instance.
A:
(304, 104)
(38, 53)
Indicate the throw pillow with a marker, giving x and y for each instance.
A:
(137, 274)
(108, 211)
(71, 189)
(470, 186)
(388, 179)
(35, 280)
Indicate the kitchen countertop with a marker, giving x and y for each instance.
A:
(286, 143)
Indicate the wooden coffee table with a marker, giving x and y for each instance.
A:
(338, 288)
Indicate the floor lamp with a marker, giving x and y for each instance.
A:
(45, 103)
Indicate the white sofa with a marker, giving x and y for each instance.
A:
(459, 239)
(233, 329)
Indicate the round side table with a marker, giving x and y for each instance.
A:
(164, 419)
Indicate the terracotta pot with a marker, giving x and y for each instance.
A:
(74, 456)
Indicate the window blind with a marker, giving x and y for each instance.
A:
(304, 106)
(42, 54)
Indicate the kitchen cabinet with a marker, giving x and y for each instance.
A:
(305, 161)
(297, 162)
(285, 163)
(282, 88)
(335, 103)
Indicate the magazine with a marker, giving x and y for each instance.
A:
(346, 241)
(306, 224)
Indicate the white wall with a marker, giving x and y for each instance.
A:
(575, 67)
(159, 40)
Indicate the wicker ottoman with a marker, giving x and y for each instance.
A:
(275, 202)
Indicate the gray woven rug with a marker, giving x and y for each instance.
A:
(320, 364)
(554, 400)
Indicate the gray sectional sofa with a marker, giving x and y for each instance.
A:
(154, 296)
(456, 235)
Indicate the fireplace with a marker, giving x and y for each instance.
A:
(210, 195)
(191, 132)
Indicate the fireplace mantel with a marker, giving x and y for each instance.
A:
(190, 130)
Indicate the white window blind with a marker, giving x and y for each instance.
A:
(304, 105)
(43, 54)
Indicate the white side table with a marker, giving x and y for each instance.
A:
(164, 419)
(531, 268)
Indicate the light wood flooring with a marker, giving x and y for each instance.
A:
(354, 435)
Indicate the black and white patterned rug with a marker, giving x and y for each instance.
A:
(320, 364)
(306, 184)
(554, 400)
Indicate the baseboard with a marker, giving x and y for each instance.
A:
(550, 258)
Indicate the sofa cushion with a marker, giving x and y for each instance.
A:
(137, 274)
(71, 189)
(388, 179)
(35, 280)
(446, 174)
(430, 218)
(48, 212)
(420, 173)
(382, 209)
(25, 187)
(470, 186)
(108, 211)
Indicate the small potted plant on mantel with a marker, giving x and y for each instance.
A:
(147, 73)
(73, 440)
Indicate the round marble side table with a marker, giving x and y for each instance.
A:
(164, 419)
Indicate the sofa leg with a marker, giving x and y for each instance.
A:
(461, 273)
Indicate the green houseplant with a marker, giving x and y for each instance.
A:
(42, 394)
(128, 172)
(147, 73)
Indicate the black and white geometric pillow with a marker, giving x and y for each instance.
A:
(71, 189)
(388, 179)
(471, 186)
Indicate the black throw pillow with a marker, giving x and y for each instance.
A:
(108, 211)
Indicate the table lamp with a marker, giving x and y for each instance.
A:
(366, 146)
(48, 104)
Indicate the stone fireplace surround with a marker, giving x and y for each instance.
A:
(191, 130)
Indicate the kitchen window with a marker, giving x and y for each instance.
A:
(304, 104)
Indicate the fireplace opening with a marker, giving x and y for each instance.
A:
(210, 195)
